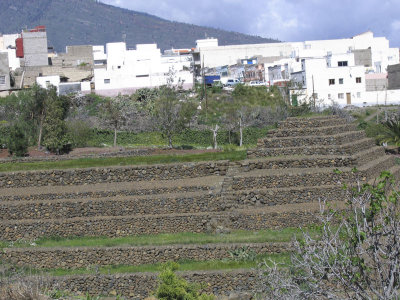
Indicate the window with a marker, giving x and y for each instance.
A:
(340, 80)
(358, 95)
(329, 96)
(107, 81)
(331, 81)
(342, 63)
(315, 95)
(340, 96)
(358, 79)
(47, 84)
(2, 79)
(119, 67)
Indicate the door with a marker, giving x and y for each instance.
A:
(348, 96)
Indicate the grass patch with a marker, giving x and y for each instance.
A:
(184, 265)
(122, 161)
(261, 236)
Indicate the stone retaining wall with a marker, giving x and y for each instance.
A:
(338, 139)
(138, 286)
(346, 149)
(309, 123)
(286, 132)
(106, 194)
(271, 197)
(306, 178)
(297, 162)
(72, 258)
(112, 174)
(123, 153)
(154, 224)
(128, 206)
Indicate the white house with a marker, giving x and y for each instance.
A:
(128, 70)
(331, 78)
(7, 44)
(376, 50)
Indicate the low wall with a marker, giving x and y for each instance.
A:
(72, 258)
(282, 196)
(154, 224)
(141, 285)
(297, 162)
(124, 153)
(313, 131)
(283, 180)
(104, 194)
(120, 206)
(112, 174)
(309, 122)
(346, 149)
(338, 139)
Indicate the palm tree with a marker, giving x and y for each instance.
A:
(392, 134)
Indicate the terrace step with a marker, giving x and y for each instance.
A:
(307, 131)
(280, 196)
(272, 217)
(344, 149)
(304, 141)
(80, 257)
(112, 206)
(134, 173)
(138, 286)
(102, 190)
(281, 178)
(310, 122)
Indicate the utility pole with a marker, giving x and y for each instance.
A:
(313, 91)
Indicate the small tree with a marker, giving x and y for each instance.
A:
(17, 141)
(173, 287)
(54, 125)
(172, 114)
(114, 111)
(357, 255)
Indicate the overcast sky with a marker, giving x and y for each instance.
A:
(286, 20)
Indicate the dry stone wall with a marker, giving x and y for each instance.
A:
(338, 139)
(141, 285)
(112, 174)
(72, 258)
(153, 224)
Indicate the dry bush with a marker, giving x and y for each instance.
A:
(23, 288)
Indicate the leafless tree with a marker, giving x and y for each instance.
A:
(356, 255)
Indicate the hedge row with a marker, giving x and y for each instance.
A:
(187, 137)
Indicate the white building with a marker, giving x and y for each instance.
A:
(7, 44)
(380, 55)
(128, 70)
(331, 78)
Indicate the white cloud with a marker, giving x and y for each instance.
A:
(289, 20)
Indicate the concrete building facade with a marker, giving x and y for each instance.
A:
(35, 48)
(127, 70)
(4, 72)
(394, 77)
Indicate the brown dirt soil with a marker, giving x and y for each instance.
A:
(33, 152)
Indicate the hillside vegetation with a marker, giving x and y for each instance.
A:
(77, 22)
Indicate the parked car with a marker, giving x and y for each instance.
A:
(257, 83)
(232, 82)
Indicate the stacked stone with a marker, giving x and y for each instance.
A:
(278, 186)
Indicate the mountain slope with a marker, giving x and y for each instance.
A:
(77, 22)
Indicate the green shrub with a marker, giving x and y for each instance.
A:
(173, 287)
(79, 133)
(17, 141)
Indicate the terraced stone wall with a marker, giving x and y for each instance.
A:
(72, 258)
(113, 174)
(153, 224)
(124, 153)
(141, 285)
